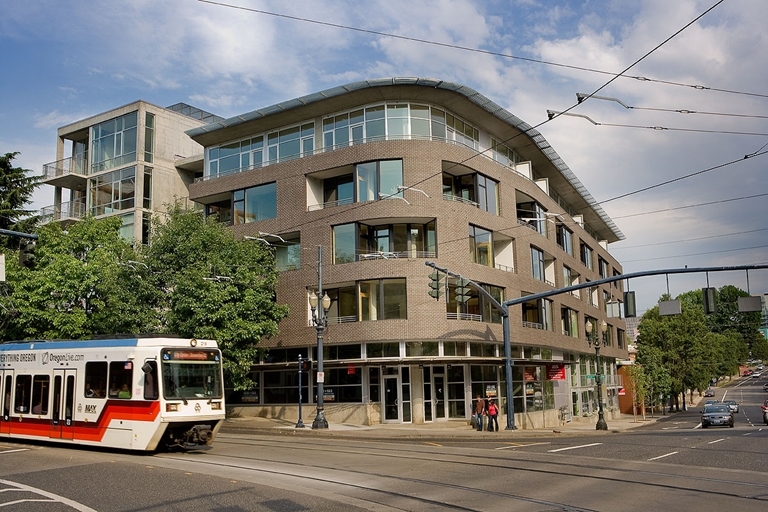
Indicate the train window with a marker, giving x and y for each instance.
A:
(120, 379)
(40, 389)
(23, 394)
(150, 380)
(96, 379)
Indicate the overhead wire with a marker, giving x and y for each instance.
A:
(614, 77)
(689, 206)
(488, 52)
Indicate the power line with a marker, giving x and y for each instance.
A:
(698, 254)
(719, 166)
(688, 239)
(492, 53)
(690, 206)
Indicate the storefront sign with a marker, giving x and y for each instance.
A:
(555, 372)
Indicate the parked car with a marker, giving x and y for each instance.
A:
(717, 415)
(747, 373)
(755, 375)
(709, 392)
(733, 404)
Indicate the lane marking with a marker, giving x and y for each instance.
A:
(14, 451)
(52, 497)
(433, 444)
(716, 441)
(662, 456)
(518, 445)
(574, 447)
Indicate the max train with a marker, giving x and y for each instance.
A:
(132, 393)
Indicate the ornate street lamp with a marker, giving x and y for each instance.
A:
(593, 341)
(320, 321)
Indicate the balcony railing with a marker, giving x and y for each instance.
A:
(459, 199)
(386, 255)
(71, 210)
(64, 167)
(533, 325)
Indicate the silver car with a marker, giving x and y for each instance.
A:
(717, 415)
(733, 404)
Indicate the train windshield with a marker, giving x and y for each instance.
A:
(190, 374)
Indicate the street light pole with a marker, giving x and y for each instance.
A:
(300, 423)
(592, 340)
(320, 321)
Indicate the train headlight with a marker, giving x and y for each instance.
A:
(171, 407)
(216, 406)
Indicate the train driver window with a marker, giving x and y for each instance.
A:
(120, 379)
(150, 380)
(95, 379)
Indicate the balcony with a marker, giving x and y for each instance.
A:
(66, 213)
(70, 173)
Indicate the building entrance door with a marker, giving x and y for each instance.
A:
(391, 399)
(397, 394)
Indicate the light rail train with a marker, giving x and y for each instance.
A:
(132, 393)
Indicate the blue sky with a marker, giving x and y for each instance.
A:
(63, 61)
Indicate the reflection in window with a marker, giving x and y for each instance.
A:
(114, 142)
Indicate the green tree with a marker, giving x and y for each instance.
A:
(728, 317)
(681, 341)
(16, 188)
(656, 382)
(215, 286)
(86, 281)
(760, 349)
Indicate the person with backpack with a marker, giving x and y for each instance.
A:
(493, 415)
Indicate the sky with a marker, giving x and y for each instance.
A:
(681, 171)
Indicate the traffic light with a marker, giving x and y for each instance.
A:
(710, 305)
(630, 307)
(305, 365)
(27, 253)
(435, 284)
(462, 290)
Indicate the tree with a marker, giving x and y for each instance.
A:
(681, 340)
(215, 287)
(728, 317)
(86, 282)
(656, 382)
(16, 188)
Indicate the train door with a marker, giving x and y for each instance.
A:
(6, 389)
(62, 423)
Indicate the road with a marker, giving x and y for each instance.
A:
(670, 464)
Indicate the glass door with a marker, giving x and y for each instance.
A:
(391, 399)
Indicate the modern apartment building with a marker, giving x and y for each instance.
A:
(127, 162)
(374, 179)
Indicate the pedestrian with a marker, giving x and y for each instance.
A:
(479, 412)
(493, 415)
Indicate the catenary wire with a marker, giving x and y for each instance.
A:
(488, 52)
(689, 206)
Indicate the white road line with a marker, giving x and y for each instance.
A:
(14, 451)
(54, 497)
(574, 447)
(662, 456)
(716, 441)
(518, 445)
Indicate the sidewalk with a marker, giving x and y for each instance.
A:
(438, 429)
(453, 429)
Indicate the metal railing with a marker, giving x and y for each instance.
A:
(71, 210)
(66, 166)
